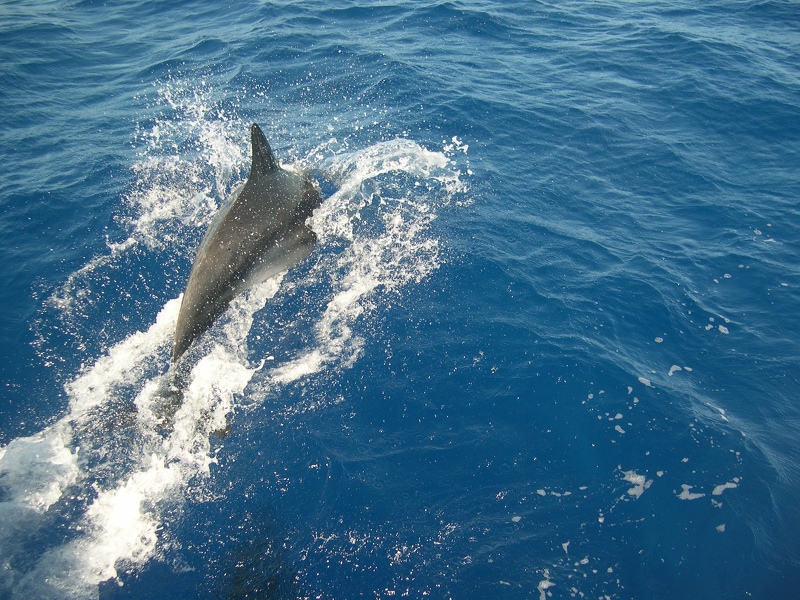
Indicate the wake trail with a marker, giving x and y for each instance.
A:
(88, 497)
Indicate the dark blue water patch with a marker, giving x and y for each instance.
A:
(396, 424)
(183, 582)
(51, 226)
(634, 177)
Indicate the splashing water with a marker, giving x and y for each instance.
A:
(99, 483)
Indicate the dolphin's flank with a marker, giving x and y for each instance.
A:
(260, 232)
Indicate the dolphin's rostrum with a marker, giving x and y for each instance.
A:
(260, 232)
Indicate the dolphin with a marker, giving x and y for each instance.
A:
(259, 232)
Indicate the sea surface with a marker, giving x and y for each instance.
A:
(545, 347)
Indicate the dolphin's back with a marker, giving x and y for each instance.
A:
(260, 232)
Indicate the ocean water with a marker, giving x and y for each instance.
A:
(545, 347)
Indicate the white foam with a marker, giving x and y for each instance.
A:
(118, 528)
(400, 252)
(124, 362)
(717, 491)
(36, 469)
(544, 585)
(685, 494)
(640, 483)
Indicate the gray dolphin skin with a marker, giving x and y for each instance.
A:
(260, 232)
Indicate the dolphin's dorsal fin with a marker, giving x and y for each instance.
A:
(263, 160)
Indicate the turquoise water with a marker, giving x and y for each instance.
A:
(546, 346)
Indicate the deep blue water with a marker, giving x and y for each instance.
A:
(546, 346)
